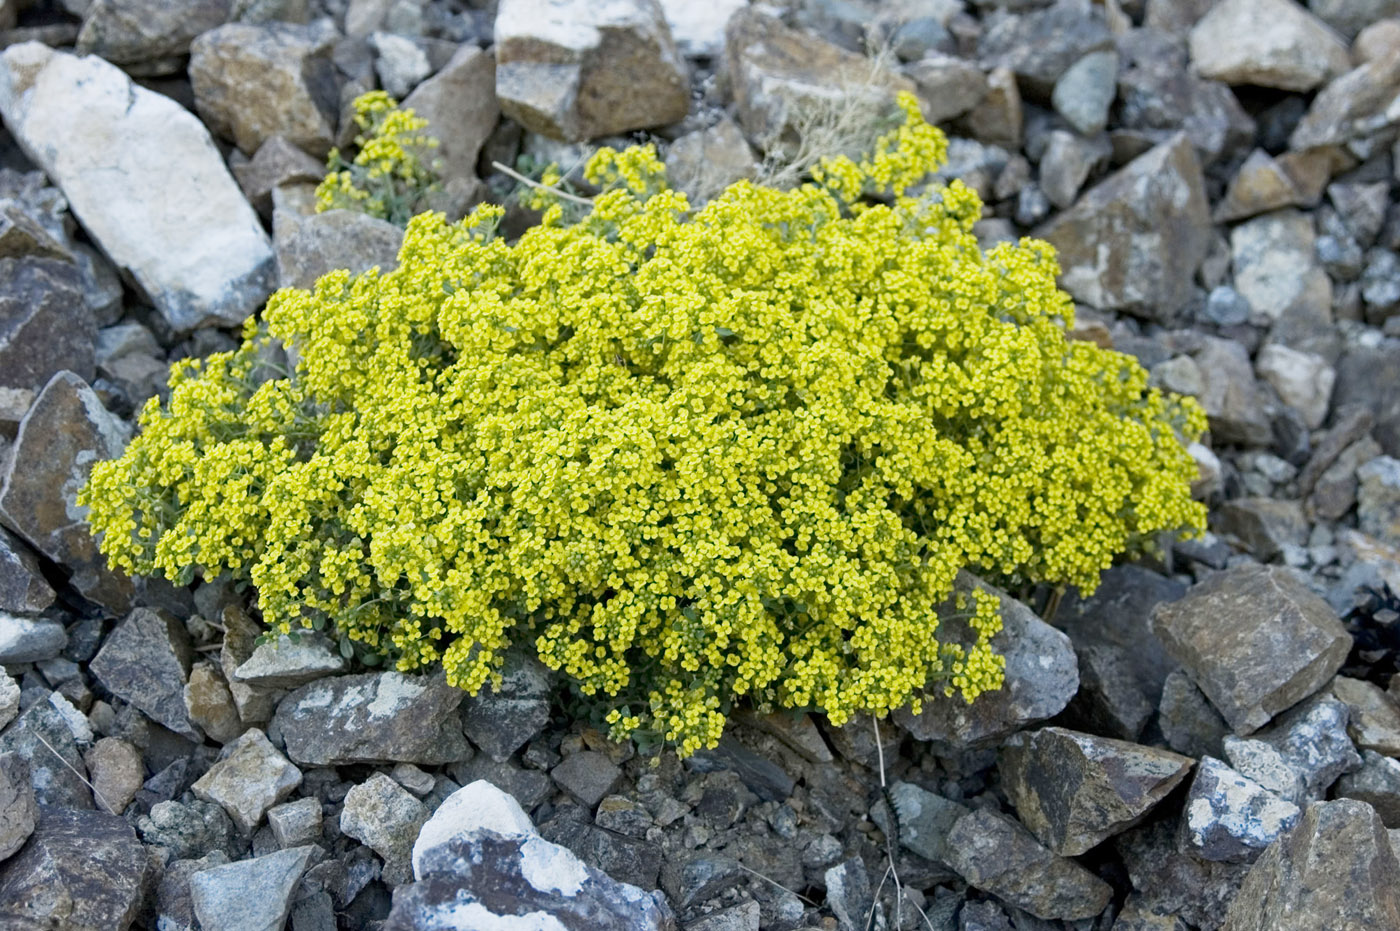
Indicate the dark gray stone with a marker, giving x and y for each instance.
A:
(188, 830)
(43, 739)
(588, 776)
(46, 326)
(762, 776)
(1111, 699)
(145, 662)
(1265, 525)
(1117, 614)
(629, 860)
(287, 663)
(500, 721)
(19, 812)
(23, 588)
(1368, 379)
(1042, 45)
(1187, 720)
(380, 814)
(30, 640)
(251, 777)
(1312, 740)
(1231, 818)
(1377, 783)
(146, 36)
(1233, 400)
(1169, 881)
(923, 820)
(848, 894)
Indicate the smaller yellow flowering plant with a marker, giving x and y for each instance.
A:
(693, 457)
(392, 175)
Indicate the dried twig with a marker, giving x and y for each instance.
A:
(531, 182)
(96, 794)
(779, 885)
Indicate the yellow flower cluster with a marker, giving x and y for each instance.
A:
(389, 177)
(694, 456)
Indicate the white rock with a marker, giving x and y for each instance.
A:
(1272, 43)
(1276, 267)
(474, 807)
(9, 699)
(1303, 380)
(145, 180)
(699, 27)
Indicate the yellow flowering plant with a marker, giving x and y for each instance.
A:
(693, 457)
(392, 175)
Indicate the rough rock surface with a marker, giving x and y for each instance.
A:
(252, 778)
(147, 37)
(1271, 43)
(46, 325)
(145, 661)
(1231, 818)
(381, 815)
(19, 813)
(249, 895)
(459, 102)
(311, 246)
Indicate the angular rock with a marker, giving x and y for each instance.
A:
(1303, 380)
(698, 28)
(252, 82)
(287, 663)
(210, 705)
(1042, 45)
(41, 736)
(1276, 267)
(1116, 615)
(1334, 491)
(500, 721)
(23, 588)
(251, 778)
(1367, 378)
(1352, 107)
(848, 894)
(145, 661)
(30, 640)
(459, 103)
(630, 860)
(1111, 698)
(1231, 818)
(1261, 184)
(383, 717)
(145, 180)
(782, 76)
(529, 787)
(65, 431)
(575, 70)
(703, 163)
(222, 899)
(998, 118)
(146, 36)
(114, 767)
(1373, 716)
(799, 734)
(80, 871)
(1336, 869)
(1377, 783)
(1271, 43)
(947, 86)
(1255, 641)
(1042, 675)
(1312, 741)
(1264, 764)
(995, 854)
(588, 776)
(923, 821)
(255, 705)
(1066, 164)
(1074, 790)
(1187, 720)
(312, 246)
(1133, 242)
(294, 824)
(476, 806)
(384, 817)
(277, 162)
(1378, 499)
(189, 830)
(1086, 90)
(1265, 525)
(19, 813)
(46, 325)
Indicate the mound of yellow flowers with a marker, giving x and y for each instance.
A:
(692, 456)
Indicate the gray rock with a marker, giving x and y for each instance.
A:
(65, 431)
(1265, 525)
(1303, 380)
(1086, 90)
(173, 906)
(698, 28)
(1336, 869)
(1378, 499)
(947, 86)
(620, 815)
(294, 824)
(588, 776)
(253, 703)
(1352, 107)
(189, 830)
(1271, 43)
(1133, 242)
(384, 817)
(145, 661)
(251, 777)
(1111, 699)
(385, 717)
(705, 162)
(9, 700)
(1116, 615)
(576, 70)
(743, 917)
(276, 163)
(999, 118)
(145, 180)
(252, 82)
(984, 916)
(147, 37)
(1041, 46)
(250, 895)
(1373, 716)
(630, 860)
(115, 770)
(1254, 640)
(1334, 492)
(848, 894)
(923, 821)
(500, 721)
(529, 787)
(1042, 675)
(1368, 378)
(1066, 165)
(995, 854)
(80, 870)
(476, 806)
(1074, 790)
(46, 326)
(1350, 17)
(1312, 740)
(1377, 783)
(23, 588)
(19, 812)
(1361, 206)
(30, 640)
(311, 246)
(41, 736)
(1380, 285)
(1169, 881)
(459, 103)
(698, 877)
(286, 663)
(400, 61)
(1276, 267)
(1231, 818)
(1186, 718)
(1264, 764)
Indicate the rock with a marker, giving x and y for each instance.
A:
(1086, 90)
(1254, 640)
(459, 103)
(65, 431)
(30, 640)
(250, 778)
(46, 325)
(995, 854)
(1187, 720)
(1169, 881)
(923, 821)
(1265, 525)
(288, 662)
(743, 917)
(998, 117)
(9, 700)
(384, 817)
(1264, 764)
(255, 705)
(276, 163)
(145, 180)
(588, 776)
(1261, 184)
(481, 878)
(146, 37)
(294, 824)
(1335, 869)
(619, 815)
(1074, 790)
(145, 661)
(1380, 285)
(1040, 46)
(1373, 716)
(1378, 499)
(1361, 206)
(210, 705)
(1133, 242)
(222, 899)
(848, 894)
(1111, 698)
(1334, 492)
(414, 779)
(1271, 43)
(1041, 672)
(1377, 783)
(1276, 268)
(529, 787)
(1312, 740)
(189, 830)
(799, 733)
(476, 806)
(19, 813)
(23, 588)
(1367, 378)
(1116, 616)
(698, 28)
(1231, 818)
(80, 871)
(1350, 17)
(42, 738)
(499, 722)
(383, 717)
(1303, 380)
(576, 70)
(114, 767)
(699, 877)
(252, 82)
(1351, 107)
(634, 861)
(309, 247)
(947, 86)
(400, 61)
(782, 77)
(1066, 165)
(703, 163)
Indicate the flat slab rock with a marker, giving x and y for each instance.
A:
(1255, 640)
(145, 662)
(383, 717)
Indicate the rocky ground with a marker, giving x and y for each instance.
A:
(1211, 741)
